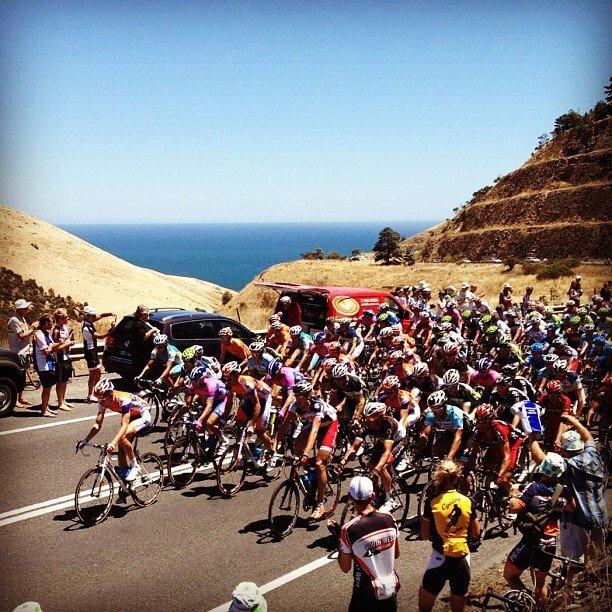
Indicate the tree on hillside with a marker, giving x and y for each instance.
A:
(388, 246)
(568, 121)
(608, 90)
(316, 254)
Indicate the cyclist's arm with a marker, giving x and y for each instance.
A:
(282, 430)
(425, 529)
(382, 462)
(149, 365)
(456, 445)
(96, 427)
(506, 459)
(256, 412)
(345, 561)
(290, 399)
(359, 408)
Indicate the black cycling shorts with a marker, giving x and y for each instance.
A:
(47, 379)
(455, 570)
(527, 553)
(92, 359)
(64, 371)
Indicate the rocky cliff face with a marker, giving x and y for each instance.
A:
(558, 204)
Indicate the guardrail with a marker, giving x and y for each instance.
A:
(77, 351)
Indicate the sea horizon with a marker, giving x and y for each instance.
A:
(232, 257)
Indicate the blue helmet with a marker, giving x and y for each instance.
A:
(274, 367)
(484, 364)
(319, 337)
(537, 347)
(198, 373)
(600, 340)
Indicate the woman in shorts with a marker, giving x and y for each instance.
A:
(64, 338)
(90, 343)
(44, 362)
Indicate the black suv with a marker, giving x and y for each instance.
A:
(184, 328)
(12, 381)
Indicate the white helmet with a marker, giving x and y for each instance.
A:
(436, 399)
(451, 378)
(296, 330)
(103, 387)
(374, 409)
(420, 369)
(229, 368)
(226, 331)
(160, 339)
(339, 370)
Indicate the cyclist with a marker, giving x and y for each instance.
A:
(348, 392)
(455, 427)
(484, 377)
(450, 360)
(233, 346)
(135, 417)
(285, 379)
(384, 429)
(350, 338)
(298, 351)
(423, 383)
(319, 426)
(400, 403)
(500, 442)
(555, 404)
(458, 393)
(504, 397)
(256, 396)
(259, 360)
(167, 357)
(534, 361)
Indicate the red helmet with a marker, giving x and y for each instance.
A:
(485, 412)
(554, 386)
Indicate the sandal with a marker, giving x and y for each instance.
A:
(49, 414)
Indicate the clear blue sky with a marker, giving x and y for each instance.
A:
(232, 111)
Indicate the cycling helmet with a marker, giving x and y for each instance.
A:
(273, 317)
(368, 313)
(575, 320)
(374, 409)
(505, 341)
(329, 364)
(466, 314)
(188, 354)
(396, 356)
(390, 383)
(450, 348)
(198, 373)
(230, 368)
(334, 346)
(571, 441)
(446, 319)
(505, 381)
(397, 341)
(226, 332)
(276, 325)
(285, 300)
(421, 369)
(296, 330)
(551, 358)
(486, 319)
(485, 412)
(339, 371)
(103, 387)
(383, 316)
(199, 350)
(319, 337)
(344, 321)
(423, 314)
(549, 310)
(274, 367)
(451, 304)
(560, 366)
(160, 339)
(554, 386)
(484, 364)
(551, 327)
(492, 329)
(385, 331)
(537, 347)
(396, 329)
(257, 347)
(302, 388)
(451, 378)
(212, 363)
(330, 321)
(552, 466)
(582, 311)
(248, 596)
(383, 307)
(588, 327)
(599, 340)
(436, 399)
(603, 311)
(558, 342)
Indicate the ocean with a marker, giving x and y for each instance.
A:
(231, 255)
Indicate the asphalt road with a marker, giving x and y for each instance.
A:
(186, 552)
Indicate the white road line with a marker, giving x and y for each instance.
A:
(295, 574)
(56, 424)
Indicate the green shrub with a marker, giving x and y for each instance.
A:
(531, 268)
(226, 297)
(510, 262)
(556, 269)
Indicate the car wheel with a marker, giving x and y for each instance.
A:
(8, 396)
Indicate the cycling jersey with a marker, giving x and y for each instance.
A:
(287, 378)
(451, 513)
(260, 368)
(250, 387)
(317, 408)
(302, 342)
(461, 393)
(124, 403)
(170, 353)
(453, 419)
(352, 388)
(402, 400)
(554, 407)
(487, 379)
(208, 387)
(456, 363)
(387, 431)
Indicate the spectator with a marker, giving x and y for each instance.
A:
(44, 362)
(20, 338)
(64, 339)
(90, 341)
(575, 290)
(448, 522)
(289, 311)
(583, 529)
(526, 301)
(141, 344)
(375, 583)
(505, 297)
(606, 292)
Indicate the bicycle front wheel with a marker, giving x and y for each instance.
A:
(182, 462)
(283, 509)
(148, 485)
(93, 497)
(426, 492)
(481, 507)
(231, 471)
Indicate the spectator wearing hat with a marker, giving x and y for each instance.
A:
(90, 338)
(464, 297)
(64, 338)
(289, 311)
(505, 296)
(44, 362)
(141, 343)
(20, 334)
(583, 531)
(370, 544)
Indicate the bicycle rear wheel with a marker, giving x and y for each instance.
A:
(182, 462)
(426, 492)
(481, 507)
(148, 485)
(93, 497)
(283, 509)
(231, 471)
(176, 430)
(332, 493)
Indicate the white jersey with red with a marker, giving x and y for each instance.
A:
(124, 402)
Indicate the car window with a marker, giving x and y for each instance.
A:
(193, 330)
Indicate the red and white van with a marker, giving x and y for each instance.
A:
(318, 303)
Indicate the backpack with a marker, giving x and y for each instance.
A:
(531, 523)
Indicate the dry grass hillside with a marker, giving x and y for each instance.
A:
(57, 260)
(558, 204)
(255, 303)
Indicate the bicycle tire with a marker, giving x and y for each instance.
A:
(332, 493)
(347, 512)
(519, 601)
(405, 510)
(182, 462)
(93, 500)
(148, 485)
(176, 430)
(283, 509)
(155, 410)
(481, 506)
(523, 461)
(230, 474)
(426, 491)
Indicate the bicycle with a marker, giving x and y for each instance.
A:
(489, 504)
(94, 494)
(239, 458)
(299, 490)
(193, 450)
